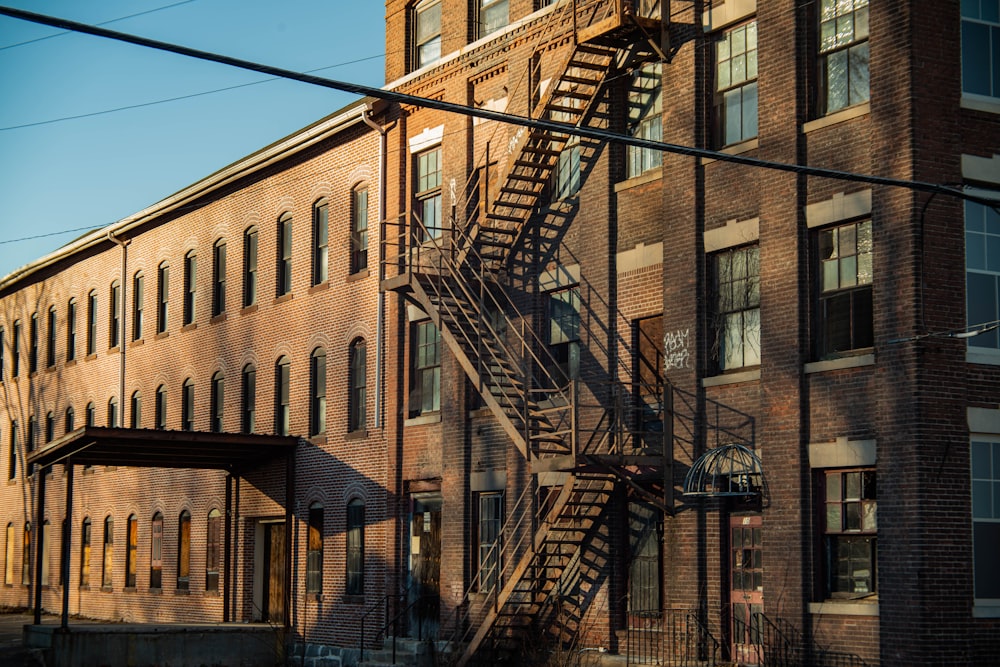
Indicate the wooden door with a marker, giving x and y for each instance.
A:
(425, 565)
(746, 588)
(274, 576)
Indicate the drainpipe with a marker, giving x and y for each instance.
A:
(121, 336)
(380, 322)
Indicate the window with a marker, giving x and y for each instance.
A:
(162, 297)
(33, 344)
(645, 118)
(425, 393)
(314, 554)
(70, 420)
(982, 271)
(250, 267)
(282, 386)
(85, 553)
(843, 53)
(109, 553)
(490, 521)
(90, 415)
(46, 537)
(219, 278)
(218, 401)
(736, 85)
(190, 286)
(115, 315)
(50, 426)
(357, 386)
(70, 331)
(564, 334)
(850, 528)
(427, 17)
(248, 409)
(136, 410)
(160, 408)
(9, 550)
(156, 552)
(986, 516)
(187, 405)
(213, 554)
(3, 347)
(138, 294)
(566, 176)
(321, 244)
(92, 323)
(735, 325)
(429, 194)
(493, 15)
(845, 286)
(130, 551)
(355, 547)
(981, 47)
(26, 556)
(112, 412)
(184, 551)
(15, 354)
(285, 254)
(32, 436)
(317, 392)
(12, 452)
(359, 230)
(50, 355)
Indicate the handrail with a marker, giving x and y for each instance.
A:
(384, 600)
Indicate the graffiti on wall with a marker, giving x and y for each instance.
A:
(675, 349)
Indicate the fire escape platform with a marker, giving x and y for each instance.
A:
(618, 30)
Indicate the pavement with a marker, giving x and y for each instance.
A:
(12, 653)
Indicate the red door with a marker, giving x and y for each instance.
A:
(746, 590)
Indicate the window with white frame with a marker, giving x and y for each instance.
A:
(282, 389)
(218, 278)
(427, 32)
(321, 242)
(844, 308)
(986, 517)
(645, 118)
(162, 297)
(284, 271)
(489, 524)
(317, 392)
(849, 533)
(564, 334)
(425, 383)
(736, 85)
(428, 194)
(187, 405)
(493, 15)
(359, 230)
(982, 271)
(981, 47)
(843, 54)
(735, 323)
(190, 286)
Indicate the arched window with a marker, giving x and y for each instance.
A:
(162, 297)
(357, 386)
(70, 330)
(187, 405)
(33, 344)
(138, 294)
(219, 278)
(46, 539)
(50, 426)
(109, 553)
(135, 410)
(248, 399)
(321, 245)
(90, 416)
(113, 412)
(359, 230)
(85, 541)
(314, 554)
(26, 556)
(160, 408)
(70, 419)
(213, 554)
(317, 392)
(184, 551)
(115, 315)
(282, 388)
(250, 267)
(355, 547)
(190, 285)
(50, 348)
(15, 349)
(285, 254)
(10, 548)
(12, 451)
(156, 552)
(91, 322)
(130, 550)
(218, 401)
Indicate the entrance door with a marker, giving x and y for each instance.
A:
(746, 588)
(273, 607)
(425, 565)
(647, 390)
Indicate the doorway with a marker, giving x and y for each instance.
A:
(269, 573)
(746, 590)
(425, 565)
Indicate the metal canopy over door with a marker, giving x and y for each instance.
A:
(746, 588)
(425, 565)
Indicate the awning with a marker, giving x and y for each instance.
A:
(729, 470)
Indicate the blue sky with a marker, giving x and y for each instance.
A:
(93, 171)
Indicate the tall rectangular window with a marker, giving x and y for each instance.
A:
(213, 552)
(357, 386)
(250, 267)
(564, 334)
(70, 330)
(218, 401)
(162, 297)
(136, 410)
(428, 194)
(248, 409)
(981, 47)
(321, 242)
(645, 118)
(282, 388)
(160, 408)
(50, 348)
(218, 278)
(156, 552)
(427, 18)
(12, 452)
(85, 542)
(844, 269)
(138, 295)
(130, 552)
(850, 529)
(184, 551)
(190, 286)
(10, 549)
(314, 553)
(982, 272)
(109, 554)
(355, 548)
(425, 394)
(317, 386)
(493, 15)
(15, 352)
(115, 315)
(359, 230)
(187, 405)
(33, 343)
(92, 323)
(843, 53)
(490, 522)
(26, 556)
(735, 325)
(285, 255)
(986, 517)
(3, 353)
(736, 85)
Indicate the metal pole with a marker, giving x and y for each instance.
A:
(66, 544)
(227, 551)
(289, 518)
(40, 517)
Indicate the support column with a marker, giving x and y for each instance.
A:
(227, 550)
(67, 542)
(289, 516)
(39, 519)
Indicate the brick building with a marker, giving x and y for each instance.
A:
(592, 396)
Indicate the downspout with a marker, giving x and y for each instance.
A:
(121, 336)
(380, 321)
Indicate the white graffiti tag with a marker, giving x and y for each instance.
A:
(675, 349)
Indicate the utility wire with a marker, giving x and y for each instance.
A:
(531, 123)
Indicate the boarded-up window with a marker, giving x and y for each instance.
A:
(109, 552)
(314, 555)
(184, 551)
(212, 557)
(156, 552)
(133, 541)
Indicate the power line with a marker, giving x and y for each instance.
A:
(538, 124)
(42, 236)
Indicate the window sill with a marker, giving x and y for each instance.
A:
(136, 343)
(221, 317)
(182, 591)
(974, 102)
(358, 275)
(986, 610)
(735, 149)
(129, 589)
(107, 589)
(419, 420)
(319, 287)
(283, 298)
(840, 364)
(651, 176)
(70, 363)
(247, 310)
(189, 327)
(731, 378)
(155, 591)
(982, 355)
(844, 608)
(161, 335)
(85, 587)
(360, 434)
(111, 350)
(837, 117)
(353, 599)
(319, 439)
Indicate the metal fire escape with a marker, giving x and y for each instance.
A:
(458, 276)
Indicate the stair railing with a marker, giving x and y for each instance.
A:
(383, 604)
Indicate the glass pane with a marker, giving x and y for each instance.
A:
(982, 501)
(751, 65)
(996, 460)
(833, 487)
(758, 538)
(751, 339)
(849, 271)
(970, 9)
(864, 269)
(836, 81)
(831, 275)
(991, 10)
(833, 524)
(750, 106)
(993, 253)
(845, 29)
(868, 517)
(996, 500)
(859, 74)
(975, 58)
(722, 49)
(852, 516)
(981, 294)
(752, 37)
(848, 240)
(992, 220)
(828, 9)
(827, 35)
(861, 24)
(852, 485)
